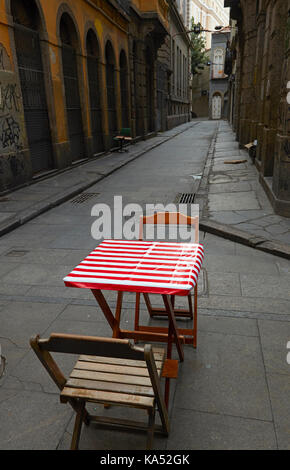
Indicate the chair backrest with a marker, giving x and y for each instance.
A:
(126, 132)
(90, 345)
(170, 218)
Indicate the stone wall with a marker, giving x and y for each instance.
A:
(262, 82)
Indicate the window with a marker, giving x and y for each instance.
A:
(218, 63)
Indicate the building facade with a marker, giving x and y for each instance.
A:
(260, 83)
(72, 74)
(148, 30)
(173, 93)
(219, 81)
(209, 13)
(200, 87)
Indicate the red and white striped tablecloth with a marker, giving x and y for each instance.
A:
(140, 266)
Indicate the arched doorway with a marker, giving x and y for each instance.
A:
(150, 90)
(69, 46)
(111, 93)
(216, 106)
(124, 89)
(27, 26)
(94, 91)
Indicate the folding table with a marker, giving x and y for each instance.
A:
(163, 268)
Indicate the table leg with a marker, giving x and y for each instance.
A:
(107, 311)
(118, 314)
(172, 331)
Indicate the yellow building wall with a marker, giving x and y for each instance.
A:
(106, 28)
(108, 24)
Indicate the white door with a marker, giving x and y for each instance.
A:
(217, 107)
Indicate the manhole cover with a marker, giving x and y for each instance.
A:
(84, 197)
(17, 253)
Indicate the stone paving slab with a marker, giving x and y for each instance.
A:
(246, 304)
(274, 339)
(33, 420)
(237, 201)
(209, 431)
(20, 320)
(279, 389)
(232, 366)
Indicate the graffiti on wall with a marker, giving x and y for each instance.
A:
(11, 114)
(10, 98)
(10, 107)
(12, 128)
(9, 132)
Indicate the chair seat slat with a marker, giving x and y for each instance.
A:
(108, 397)
(116, 361)
(100, 367)
(110, 387)
(116, 378)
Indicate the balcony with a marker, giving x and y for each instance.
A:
(153, 8)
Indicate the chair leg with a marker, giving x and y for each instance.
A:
(78, 426)
(151, 425)
(195, 319)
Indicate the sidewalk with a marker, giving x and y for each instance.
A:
(232, 392)
(20, 206)
(233, 202)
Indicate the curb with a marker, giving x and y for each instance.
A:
(244, 238)
(43, 206)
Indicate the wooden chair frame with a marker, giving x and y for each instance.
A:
(171, 218)
(106, 348)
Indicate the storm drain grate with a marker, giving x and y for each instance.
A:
(185, 198)
(17, 253)
(84, 197)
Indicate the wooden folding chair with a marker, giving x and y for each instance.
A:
(171, 218)
(109, 371)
